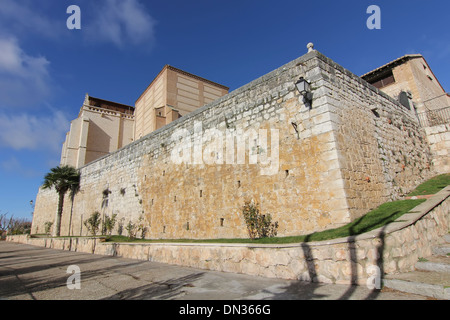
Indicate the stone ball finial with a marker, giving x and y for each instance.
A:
(310, 47)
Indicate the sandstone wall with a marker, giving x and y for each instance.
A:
(439, 140)
(382, 150)
(310, 172)
(393, 248)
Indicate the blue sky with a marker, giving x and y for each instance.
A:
(46, 69)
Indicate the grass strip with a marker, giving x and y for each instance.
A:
(383, 215)
(432, 186)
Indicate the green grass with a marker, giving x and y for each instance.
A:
(432, 186)
(379, 217)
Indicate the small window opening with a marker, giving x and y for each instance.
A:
(375, 112)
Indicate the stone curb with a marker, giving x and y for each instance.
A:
(433, 266)
(430, 290)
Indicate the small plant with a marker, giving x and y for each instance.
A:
(141, 227)
(110, 223)
(19, 226)
(93, 223)
(131, 229)
(258, 225)
(48, 227)
(120, 227)
(13, 226)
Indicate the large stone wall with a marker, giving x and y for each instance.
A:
(439, 140)
(393, 248)
(325, 166)
(382, 151)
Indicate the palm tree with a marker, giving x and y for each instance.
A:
(63, 179)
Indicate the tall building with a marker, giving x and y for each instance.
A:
(410, 79)
(104, 126)
(171, 95)
(101, 127)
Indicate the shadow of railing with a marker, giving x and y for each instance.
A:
(380, 263)
(353, 258)
(308, 290)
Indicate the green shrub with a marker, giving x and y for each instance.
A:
(93, 223)
(131, 229)
(141, 227)
(48, 227)
(109, 224)
(258, 225)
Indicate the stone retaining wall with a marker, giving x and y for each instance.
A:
(394, 248)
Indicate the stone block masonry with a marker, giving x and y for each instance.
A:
(439, 140)
(353, 150)
(354, 260)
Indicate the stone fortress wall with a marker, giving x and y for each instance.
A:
(390, 249)
(316, 168)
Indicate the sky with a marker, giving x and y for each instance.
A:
(46, 68)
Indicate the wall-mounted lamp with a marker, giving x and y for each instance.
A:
(304, 87)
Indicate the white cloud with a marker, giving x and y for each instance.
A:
(24, 17)
(24, 79)
(27, 132)
(122, 22)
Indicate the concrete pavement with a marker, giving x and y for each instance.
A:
(35, 273)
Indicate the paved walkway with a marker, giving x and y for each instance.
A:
(35, 273)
